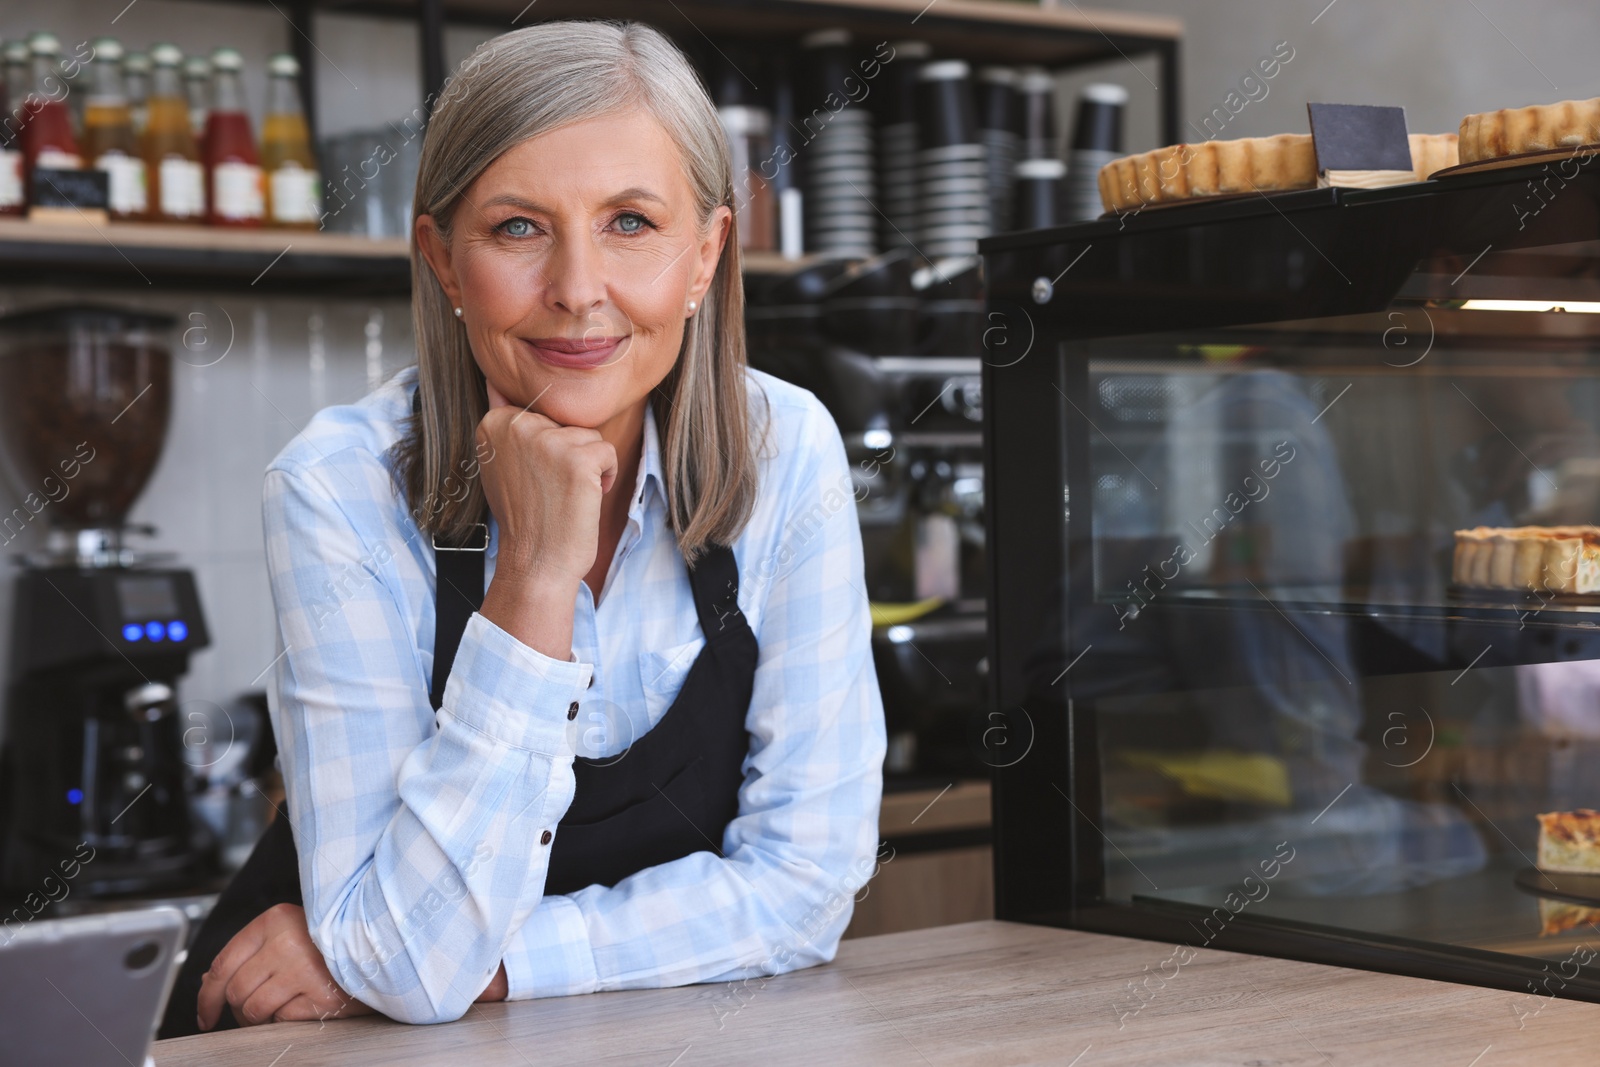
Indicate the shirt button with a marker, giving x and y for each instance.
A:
(572, 710)
(544, 838)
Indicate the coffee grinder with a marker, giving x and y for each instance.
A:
(92, 767)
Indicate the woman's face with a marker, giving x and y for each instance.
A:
(583, 239)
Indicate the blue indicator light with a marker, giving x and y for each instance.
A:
(176, 630)
(154, 630)
(74, 796)
(132, 632)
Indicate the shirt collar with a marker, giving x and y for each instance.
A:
(649, 464)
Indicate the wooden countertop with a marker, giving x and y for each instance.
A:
(977, 993)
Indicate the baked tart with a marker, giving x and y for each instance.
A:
(1433, 151)
(1560, 559)
(1542, 127)
(1212, 168)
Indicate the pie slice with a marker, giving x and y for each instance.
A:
(1569, 841)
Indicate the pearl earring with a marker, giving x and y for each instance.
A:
(692, 306)
(458, 313)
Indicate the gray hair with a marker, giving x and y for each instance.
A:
(515, 87)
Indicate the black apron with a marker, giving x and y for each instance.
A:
(674, 793)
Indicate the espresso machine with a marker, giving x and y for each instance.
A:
(92, 771)
(892, 346)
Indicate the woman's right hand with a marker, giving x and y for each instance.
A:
(543, 482)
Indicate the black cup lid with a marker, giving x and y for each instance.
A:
(1099, 124)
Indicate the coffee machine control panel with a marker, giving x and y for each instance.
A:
(140, 612)
(152, 609)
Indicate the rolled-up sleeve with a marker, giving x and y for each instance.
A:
(780, 892)
(420, 836)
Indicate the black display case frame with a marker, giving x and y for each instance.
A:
(1205, 266)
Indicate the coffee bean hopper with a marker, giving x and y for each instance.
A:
(92, 773)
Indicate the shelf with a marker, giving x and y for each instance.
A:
(993, 31)
(1380, 632)
(139, 256)
(1553, 610)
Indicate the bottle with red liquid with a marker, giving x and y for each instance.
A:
(237, 189)
(46, 123)
(16, 84)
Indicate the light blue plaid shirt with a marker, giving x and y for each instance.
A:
(420, 836)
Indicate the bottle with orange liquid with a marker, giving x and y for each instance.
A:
(108, 140)
(237, 197)
(294, 188)
(13, 200)
(136, 82)
(171, 158)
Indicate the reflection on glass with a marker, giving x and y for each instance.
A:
(1284, 672)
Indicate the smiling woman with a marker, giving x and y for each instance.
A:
(615, 767)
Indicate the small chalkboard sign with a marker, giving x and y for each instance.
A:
(1359, 137)
(87, 189)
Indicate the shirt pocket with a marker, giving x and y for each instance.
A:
(662, 672)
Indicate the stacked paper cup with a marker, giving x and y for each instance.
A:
(1096, 141)
(1037, 89)
(951, 162)
(897, 144)
(1039, 195)
(1000, 130)
(841, 193)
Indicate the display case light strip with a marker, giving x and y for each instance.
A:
(1576, 306)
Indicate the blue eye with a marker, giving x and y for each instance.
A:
(518, 227)
(643, 222)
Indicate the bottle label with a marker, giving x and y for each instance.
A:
(295, 194)
(126, 179)
(10, 179)
(237, 188)
(55, 159)
(183, 189)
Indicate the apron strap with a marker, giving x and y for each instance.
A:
(458, 591)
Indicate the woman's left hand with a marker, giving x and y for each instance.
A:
(273, 972)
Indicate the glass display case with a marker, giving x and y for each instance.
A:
(1250, 690)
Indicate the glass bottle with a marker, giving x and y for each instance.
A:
(136, 83)
(46, 124)
(108, 139)
(230, 148)
(16, 84)
(171, 158)
(197, 91)
(294, 188)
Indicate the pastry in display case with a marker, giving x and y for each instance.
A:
(1541, 127)
(1562, 559)
(1293, 550)
(1210, 168)
(1569, 841)
(1432, 152)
